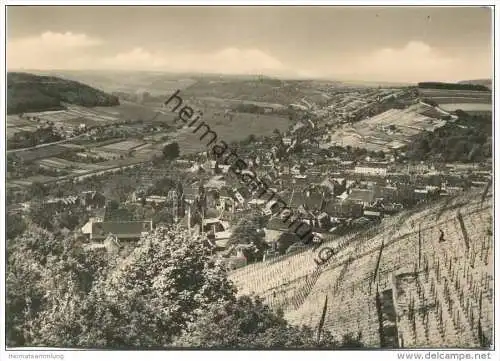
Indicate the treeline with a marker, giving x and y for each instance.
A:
(140, 97)
(452, 86)
(31, 93)
(251, 108)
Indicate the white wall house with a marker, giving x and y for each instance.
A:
(370, 170)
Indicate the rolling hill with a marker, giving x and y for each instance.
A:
(29, 93)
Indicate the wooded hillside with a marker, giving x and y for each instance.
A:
(29, 93)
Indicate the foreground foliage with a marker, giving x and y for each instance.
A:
(167, 292)
(469, 139)
(249, 232)
(248, 323)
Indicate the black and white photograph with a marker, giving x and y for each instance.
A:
(230, 176)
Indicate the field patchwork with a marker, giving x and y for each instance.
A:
(452, 100)
(381, 131)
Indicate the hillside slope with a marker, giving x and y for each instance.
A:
(379, 284)
(28, 93)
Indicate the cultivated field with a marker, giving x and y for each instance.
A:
(97, 116)
(232, 102)
(452, 100)
(396, 285)
(377, 133)
(15, 120)
(124, 146)
(445, 93)
(30, 180)
(16, 124)
(428, 110)
(40, 153)
(59, 163)
(13, 130)
(133, 111)
(466, 100)
(71, 146)
(239, 127)
(265, 90)
(74, 115)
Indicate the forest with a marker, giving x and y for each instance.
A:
(32, 93)
(469, 139)
(165, 293)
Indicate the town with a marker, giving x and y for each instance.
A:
(335, 187)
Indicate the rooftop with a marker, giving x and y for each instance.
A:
(129, 229)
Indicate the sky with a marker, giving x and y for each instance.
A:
(393, 44)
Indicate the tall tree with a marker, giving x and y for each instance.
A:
(247, 323)
(143, 302)
(168, 291)
(15, 225)
(249, 232)
(171, 151)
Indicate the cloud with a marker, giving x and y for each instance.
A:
(416, 61)
(52, 50)
(228, 60)
(137, 58)
(413, 62)
(66, 40)
(245, 61)
(48, 50)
